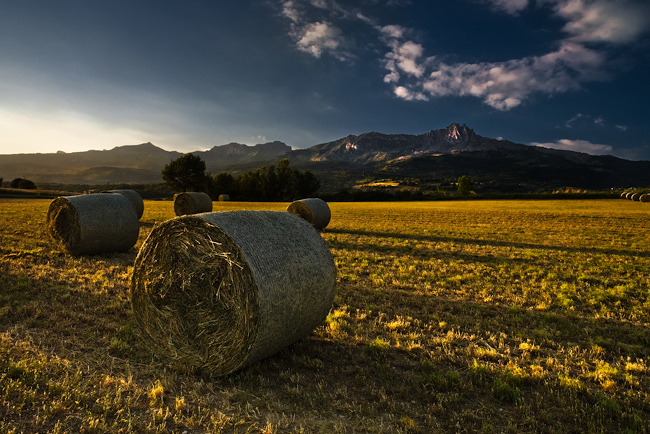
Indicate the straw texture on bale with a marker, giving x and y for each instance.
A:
(93, 223)
(645, 198)
(224, 197)
(133, 197)
(219, 291)
(192, 203)
(315, 211)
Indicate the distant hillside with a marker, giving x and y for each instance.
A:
(443, 155)
(437, 157)
(128, 164)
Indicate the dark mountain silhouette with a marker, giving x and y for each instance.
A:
(436, 156)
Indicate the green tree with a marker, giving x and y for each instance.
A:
(465, 185)
(223, 183)
(26, 184)
(186, 173)
(306, 184)
(15, 182)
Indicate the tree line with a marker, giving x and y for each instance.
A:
(267, 183)
(24, 184)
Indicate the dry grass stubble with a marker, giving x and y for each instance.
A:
(449, 317)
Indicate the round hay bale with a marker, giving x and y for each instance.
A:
(315, 211)
(628, 195)
(93, 223)
(623, 195)
(635, 197)
(645, 198)
(133, 197)
(224, 197)
(192, 203)
(219, 291)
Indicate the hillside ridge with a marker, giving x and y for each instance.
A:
(439, 154)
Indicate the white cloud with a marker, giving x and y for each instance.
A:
(317, 38)
(508, 84)
(570, 122)
(290, 11)
(405, 57)
(614, 21)
(577, 146)
(622, 127)
(504, 85)
(408, 95)
(580, 56)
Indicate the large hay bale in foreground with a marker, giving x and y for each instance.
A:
(645, 198)
(93, 223)
(315, 211)
(219, 291)
(192, 203)
(224, 197)
(134, 198)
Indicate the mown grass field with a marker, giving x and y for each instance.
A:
(482, 316)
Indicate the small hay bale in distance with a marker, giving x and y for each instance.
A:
(220, 291)
(645, 198)
(93, 223)
(224, 198)
(628, 195)
(314, 210)
(635, 197)
(624, 195)
(133, 197)
(192, 203)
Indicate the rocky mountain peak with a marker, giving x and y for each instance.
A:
(455, 133)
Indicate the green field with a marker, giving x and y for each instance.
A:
(478, 316)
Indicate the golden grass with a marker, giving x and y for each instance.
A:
(494, 316)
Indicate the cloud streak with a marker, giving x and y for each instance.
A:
(580, 56)
(508, 84)
(316, 37)
(577, 146)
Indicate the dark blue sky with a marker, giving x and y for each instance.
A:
(79, 75)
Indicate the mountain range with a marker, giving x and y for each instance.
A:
(436, 156)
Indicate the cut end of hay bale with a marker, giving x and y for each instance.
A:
(224, 197)
(63, 225)
(314, 211)
(93, 223)
(219, 291)
(194, 291)
(192, 203)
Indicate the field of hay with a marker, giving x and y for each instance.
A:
(481, 316)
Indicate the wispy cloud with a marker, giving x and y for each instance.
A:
(508, 84)
(509, 6)
(622, 127)
(577, 146)
(316, 37)
(611, 21)
(580, 56)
